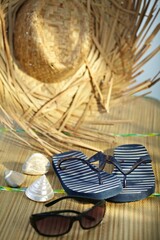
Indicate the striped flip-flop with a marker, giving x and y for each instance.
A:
(80, 178)
(132, 165)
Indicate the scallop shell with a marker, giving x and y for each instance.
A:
(36, 164)
(13, 178)
(40, 190)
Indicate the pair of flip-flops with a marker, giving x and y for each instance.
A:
(132, 178)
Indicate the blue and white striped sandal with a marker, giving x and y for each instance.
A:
(81, 178)
(132, 165)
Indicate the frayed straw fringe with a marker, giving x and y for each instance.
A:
(63, 115)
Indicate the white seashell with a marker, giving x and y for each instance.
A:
(40, 190)
(13, 178)
(36, 164)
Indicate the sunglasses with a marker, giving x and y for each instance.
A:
(57, 223)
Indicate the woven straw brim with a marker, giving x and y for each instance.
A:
(63, 112)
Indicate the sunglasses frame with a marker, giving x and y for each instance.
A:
(40, 216)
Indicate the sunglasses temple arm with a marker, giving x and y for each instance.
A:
(59, 199)
(55, 201)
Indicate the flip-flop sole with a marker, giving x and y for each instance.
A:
(140, 182)
(79, 180)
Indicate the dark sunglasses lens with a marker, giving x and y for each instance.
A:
(53, 225)
(93, 217)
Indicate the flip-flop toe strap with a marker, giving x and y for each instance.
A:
(143, 159)
(100, 157)
(83, 161)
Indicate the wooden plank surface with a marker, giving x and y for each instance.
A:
(138, 220)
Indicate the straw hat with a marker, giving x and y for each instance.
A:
(63, 62)
(56, 38)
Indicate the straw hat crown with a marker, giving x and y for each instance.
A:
(51, 38)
